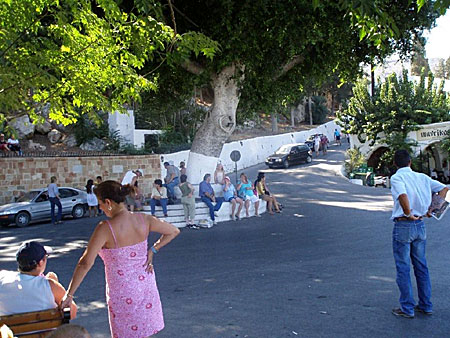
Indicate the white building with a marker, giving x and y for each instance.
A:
(428, 139)
(124, 125)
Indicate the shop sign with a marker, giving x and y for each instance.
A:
(434, 133)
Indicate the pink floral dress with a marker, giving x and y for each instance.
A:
(132, 296)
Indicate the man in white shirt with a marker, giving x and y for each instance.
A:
(130, 178)
(412, 193)
(28, 289)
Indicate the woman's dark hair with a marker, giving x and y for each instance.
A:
(113, 191)
(183, 178)
(27, 268)
(89, 185)
(158, 182)
(401, 158)
(261, 175)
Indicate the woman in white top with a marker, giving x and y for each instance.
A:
(91, 198)
(219, 174)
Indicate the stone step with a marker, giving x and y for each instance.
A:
(176, 213)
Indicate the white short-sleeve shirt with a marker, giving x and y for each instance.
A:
(417, 186)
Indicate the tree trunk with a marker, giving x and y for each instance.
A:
(292, 116)
(310, 111)
(217, 127)
(274, 123)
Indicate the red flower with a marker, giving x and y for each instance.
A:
(141, 278)
(133, 254)
(149, 306)
(129, 301)
(120, 272)
(134, 327)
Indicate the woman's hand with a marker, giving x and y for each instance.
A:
(66, 301)
(148, 264)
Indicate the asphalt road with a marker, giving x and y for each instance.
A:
(323, 268)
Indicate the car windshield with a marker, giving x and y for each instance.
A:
(29, 196)
(283, 150)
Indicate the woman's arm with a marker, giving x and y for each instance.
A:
(168, 233)
(58, 293)
(97, 241)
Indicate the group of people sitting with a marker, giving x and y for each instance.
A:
(10, 145)
(242, 195)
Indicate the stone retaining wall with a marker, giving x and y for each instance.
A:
(22, 174)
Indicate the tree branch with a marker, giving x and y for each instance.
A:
(193, 67)
(297, 59)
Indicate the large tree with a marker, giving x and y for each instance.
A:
(270, 50)
(81, 56)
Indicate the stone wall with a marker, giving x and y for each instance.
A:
(21, 174)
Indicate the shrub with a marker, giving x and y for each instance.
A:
(354, 160)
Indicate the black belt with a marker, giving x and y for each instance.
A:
(403, 218)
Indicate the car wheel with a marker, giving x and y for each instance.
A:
(309, 159)
(78, 211)
(286, 164)
(22, 219)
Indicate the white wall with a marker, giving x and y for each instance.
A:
(124, 123)
(256, 150)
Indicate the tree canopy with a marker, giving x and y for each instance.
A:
(397, 107)
(284, 46)
(80, 56)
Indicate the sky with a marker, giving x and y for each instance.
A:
(438, 39)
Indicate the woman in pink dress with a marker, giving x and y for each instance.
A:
(132, 296)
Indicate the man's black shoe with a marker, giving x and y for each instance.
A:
(418, 309)
(398, 312)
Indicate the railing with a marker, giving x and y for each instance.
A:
(63, 154)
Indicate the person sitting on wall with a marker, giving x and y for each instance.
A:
(265, 195)
(27, 289)
(3, 144)
(230, 195)
(245, 188)
(14, 145)
(207, 196)
(159, 197)
(219, 174)
(171, 180)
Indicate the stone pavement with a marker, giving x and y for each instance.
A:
(323, 268)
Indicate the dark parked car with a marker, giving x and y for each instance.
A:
(34, 205)
(310, 142)
(289, 154)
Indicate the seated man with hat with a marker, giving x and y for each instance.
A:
(27, 289)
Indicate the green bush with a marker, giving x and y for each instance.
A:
(354, 160)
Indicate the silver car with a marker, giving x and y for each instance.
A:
(34, 205)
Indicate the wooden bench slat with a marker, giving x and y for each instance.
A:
(37, 326)
(30, 317)
(35, 335)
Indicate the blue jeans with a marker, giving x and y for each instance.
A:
(55, 201)
(170, 186)
(161, 202)
(409, 239)
(212, 207)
